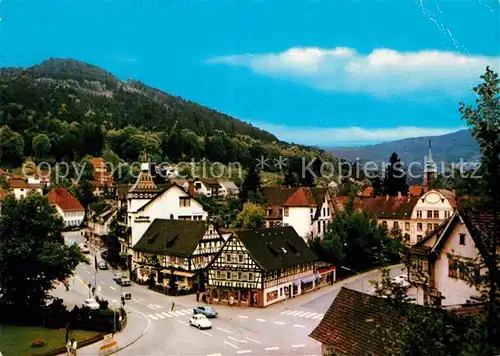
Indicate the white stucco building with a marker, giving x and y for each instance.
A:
(21, 187)
(436, 261)
(307, 210)
(67, 206)
(146, 202)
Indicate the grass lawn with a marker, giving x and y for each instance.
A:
(16, 340)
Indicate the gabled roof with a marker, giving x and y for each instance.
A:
(210, 182)
(481, 224)
(228, 184)
(64, 200)
(171, 185)
(144, 183)
(172, 237)
(387, 207)
(276, 248)
(16, 183)
(276, 196)
(416, 190)
(352, 323)
(441, 232)
(302, 197)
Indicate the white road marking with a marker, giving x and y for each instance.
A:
(299, 326)
(261, 320)
(294, 313)
(227, 331)
(234, 339)
(180, 321)
(279, 322)
(206, 333)
(310, 355)
(243, 351)
(286, 312)
(113, 288)
(158, 306)
(301, 314)
(308, 315)
(142, 300)
(150, 307)
(135, 300)
(172, 313)
(301, 345)
(242, 316)
(160, 316)
(102, 282)
(257, 342)
(272, 348)
(167, 314)
(189, 311)
(179, 313)
(152, 317)
(227, 342)
(214, 355)
(318, 317)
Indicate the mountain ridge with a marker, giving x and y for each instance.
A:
(449, 147)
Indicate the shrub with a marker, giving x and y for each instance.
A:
(37, 343)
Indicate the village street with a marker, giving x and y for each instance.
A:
(280, 329)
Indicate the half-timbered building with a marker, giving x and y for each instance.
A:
(180, 248)
(261, 267)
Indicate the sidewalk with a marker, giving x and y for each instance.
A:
(137, 326)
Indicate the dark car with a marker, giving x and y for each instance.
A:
(207, 311)
(103, 265)
(124, 282)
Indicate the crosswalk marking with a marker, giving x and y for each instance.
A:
(180, 312)
(301, 314)
(141, 299)
(188, 311)
(294, 313)
(318, 317)
(308, 315)
(167, 314)
(172, 313)
(158, 306)
(153, 317)
(286, 312)
(160, 316)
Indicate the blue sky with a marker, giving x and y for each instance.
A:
(326, 73)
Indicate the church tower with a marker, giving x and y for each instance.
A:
(430, 170)
(144, 188)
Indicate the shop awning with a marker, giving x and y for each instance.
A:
(309, 279)
(296, 282)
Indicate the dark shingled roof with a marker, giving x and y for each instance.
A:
(351, 324)
(276, 248)
(173, 237)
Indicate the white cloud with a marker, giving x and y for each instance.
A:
(346, 136)
(383, 72)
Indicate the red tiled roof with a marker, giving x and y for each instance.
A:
(17, 183)
(211, 182)
(303, 197)
(416, 190)
(381, 207)
(352, 323)
(62, 198)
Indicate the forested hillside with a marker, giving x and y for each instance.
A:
(62, 110)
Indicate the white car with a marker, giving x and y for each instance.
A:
(91, 303)
(200, 321)
(402, 280)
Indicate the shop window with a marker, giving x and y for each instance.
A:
(272, 296)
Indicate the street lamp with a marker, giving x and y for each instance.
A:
(362, 281)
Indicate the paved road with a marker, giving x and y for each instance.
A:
(280, 329)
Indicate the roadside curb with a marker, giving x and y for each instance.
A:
(137, 338)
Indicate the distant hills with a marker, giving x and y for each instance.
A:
(445, 148)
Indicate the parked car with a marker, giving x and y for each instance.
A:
(117, 277)
(91, 303)
(85, 249)
(207, 311)
(402, 280)
(124, 282)
(200, 321)
(103, 265)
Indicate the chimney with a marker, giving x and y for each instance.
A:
(387, 197)
(190, 187)
(399, 195)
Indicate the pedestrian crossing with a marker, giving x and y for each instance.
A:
(303, 314)
(170, 314)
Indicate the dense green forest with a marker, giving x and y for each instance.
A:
(62, 110)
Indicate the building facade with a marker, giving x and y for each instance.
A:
(67, 206)
(307, 210)
(261, 267)
(21, 187)
(443, 262)
(178, 250)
